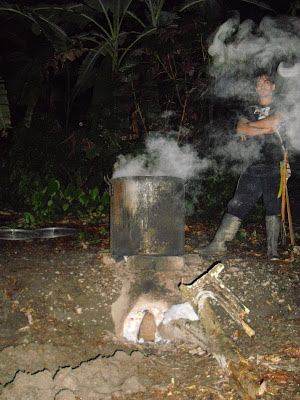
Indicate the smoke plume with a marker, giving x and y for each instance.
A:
(240, 51)
(162, 157)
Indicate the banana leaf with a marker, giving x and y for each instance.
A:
(87, 69)
(115, 6)
(54, 34)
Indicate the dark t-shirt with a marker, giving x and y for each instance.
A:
(267, 150)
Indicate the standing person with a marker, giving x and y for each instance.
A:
(261, 176)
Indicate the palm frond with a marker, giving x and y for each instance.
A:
(87, 68)
(190, 4)
(54, 34)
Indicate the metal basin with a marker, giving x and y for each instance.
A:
(55, 231)
(42, 233)
(18, 234)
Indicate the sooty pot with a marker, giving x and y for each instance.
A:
(147, 216)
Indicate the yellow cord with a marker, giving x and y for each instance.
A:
(281, 179)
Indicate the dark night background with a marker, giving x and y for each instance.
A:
(71, 115)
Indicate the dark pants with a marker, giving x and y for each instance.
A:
(255, 182)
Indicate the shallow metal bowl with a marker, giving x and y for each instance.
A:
(18, 234)
(55, 231)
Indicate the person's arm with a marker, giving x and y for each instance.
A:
(271, 123)
(244, 127)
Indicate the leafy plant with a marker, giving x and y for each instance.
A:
(54, 201)
(88, 81)
(242, 235)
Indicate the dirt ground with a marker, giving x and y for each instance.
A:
(58, 336)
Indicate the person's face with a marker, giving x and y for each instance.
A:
(264, 87)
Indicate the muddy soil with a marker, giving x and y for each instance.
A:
(58, 336)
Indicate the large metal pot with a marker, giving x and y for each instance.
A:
(147, 216)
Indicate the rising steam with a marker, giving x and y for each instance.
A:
(240, 50)
(162, 157)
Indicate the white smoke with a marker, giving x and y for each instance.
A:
(162, 157)
(240, 50)
(291, 77)
(238, 153)
(244, 47)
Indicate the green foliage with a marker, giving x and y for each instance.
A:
(22, 183)
(55, 201)
(5, 120)
(242, 235)
(114, 67)
(29, 219)
(90, 42)
(215, 191)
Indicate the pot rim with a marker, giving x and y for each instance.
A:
(147, 177)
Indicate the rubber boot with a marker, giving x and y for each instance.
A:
(226, 232)
(273, 224)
